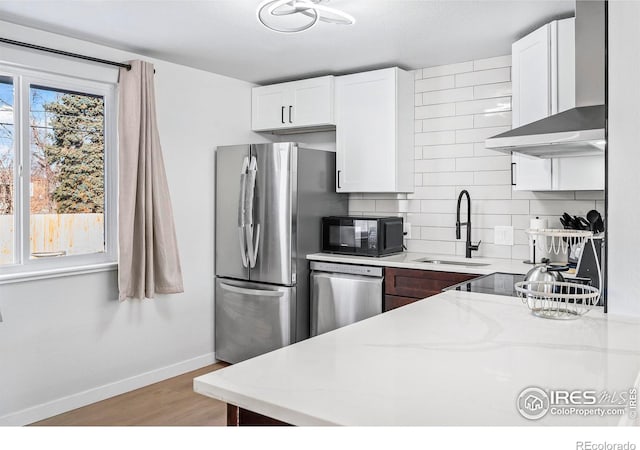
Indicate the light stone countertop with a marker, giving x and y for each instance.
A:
(409, 260)
(457, 358)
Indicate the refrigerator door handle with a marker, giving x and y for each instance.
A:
(252, 240)
(245, 291)
(242, 213)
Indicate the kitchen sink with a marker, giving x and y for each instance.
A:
(453, 263)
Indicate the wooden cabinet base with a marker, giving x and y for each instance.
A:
(239, 417)
(405, 286)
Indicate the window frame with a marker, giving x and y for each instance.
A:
(24, 267)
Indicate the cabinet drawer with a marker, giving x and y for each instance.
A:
(420, 283)
(393, 301)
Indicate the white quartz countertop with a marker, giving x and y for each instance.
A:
(457, 358)
(409, 260)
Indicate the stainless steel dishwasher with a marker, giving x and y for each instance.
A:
(342, 294)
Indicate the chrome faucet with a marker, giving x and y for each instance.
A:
(469, 247)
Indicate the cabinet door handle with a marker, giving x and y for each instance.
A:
(339, 179)
(513, 183)
(290, 108)
(282, 114)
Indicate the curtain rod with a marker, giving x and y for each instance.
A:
(63, 53)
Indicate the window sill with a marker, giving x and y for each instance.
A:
(57, 273)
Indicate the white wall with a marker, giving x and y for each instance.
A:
(457, 107)
(66, 342)
(624, 158)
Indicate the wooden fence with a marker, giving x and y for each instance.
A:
(71, 233)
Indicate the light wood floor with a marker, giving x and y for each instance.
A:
(169, 402)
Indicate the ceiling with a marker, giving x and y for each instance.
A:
(223, 36)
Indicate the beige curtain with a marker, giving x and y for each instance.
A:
(148, 261)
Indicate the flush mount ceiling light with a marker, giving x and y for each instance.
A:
(274, 13)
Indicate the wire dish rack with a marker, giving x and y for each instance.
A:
(559, 299)
(558, 241)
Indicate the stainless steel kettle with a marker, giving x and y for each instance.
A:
(545, 272)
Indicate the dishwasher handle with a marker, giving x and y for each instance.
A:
(331, 267)
(335, 275)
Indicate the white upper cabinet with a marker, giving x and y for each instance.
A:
(543, 83)
(543, 72)
(374, 131)
(304, 104)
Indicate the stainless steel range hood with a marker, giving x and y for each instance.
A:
(578, 131)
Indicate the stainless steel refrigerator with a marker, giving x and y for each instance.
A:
(270, 199)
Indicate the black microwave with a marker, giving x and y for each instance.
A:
(362, 236)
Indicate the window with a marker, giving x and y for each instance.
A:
(57, 173)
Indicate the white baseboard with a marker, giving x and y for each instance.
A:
(64, 404)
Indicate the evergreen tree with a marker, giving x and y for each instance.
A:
(76, 153)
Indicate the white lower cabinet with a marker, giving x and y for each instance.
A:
(583, 173)
(374, 131)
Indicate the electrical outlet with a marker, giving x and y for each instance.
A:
(503, 235)
(407, 230)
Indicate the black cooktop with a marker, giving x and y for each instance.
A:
(498, 283)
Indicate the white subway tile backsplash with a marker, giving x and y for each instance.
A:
(477, 134)
(500, 119)
(437, 247)
(447, 96)
(447, 123)
(488, 192)
(522, 222)
(490, 220)
(492, 90)
(447, 178)
(433, 192)
(433, 220)
(484, 163)
(457, 107)
(483, 77)
(397, 206)
(447, 151)
(492, 178)
(435, 138)
(557, 207)
(438, 206)
(448, 69)
(435, 84)
(488, 105)
(438, 234)
(486, 250)
(500, 207)
(361, 205)
(435, 165)
(439, 110)
(389, 206)
(520, 252)
(492, 63)
(520, 237)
